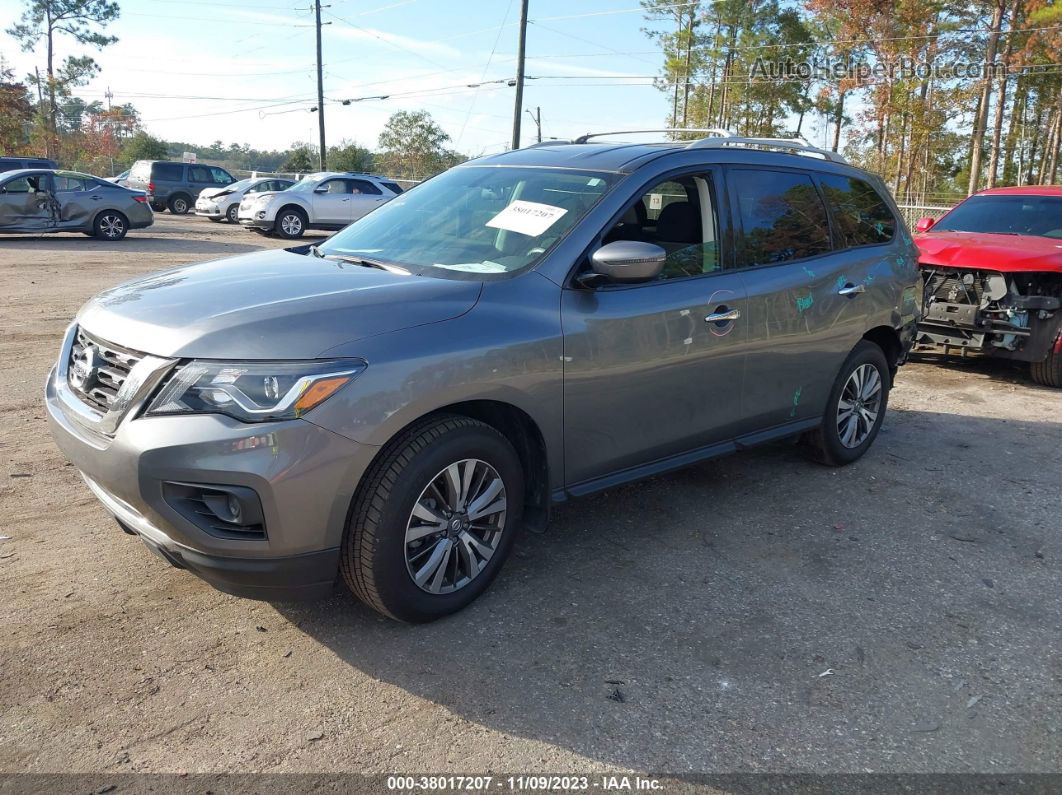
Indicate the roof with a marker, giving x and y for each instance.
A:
(1024, 190)
(629, 157)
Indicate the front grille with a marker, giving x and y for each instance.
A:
(109, 366)
(948, 286)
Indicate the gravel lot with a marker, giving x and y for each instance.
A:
(757, 613)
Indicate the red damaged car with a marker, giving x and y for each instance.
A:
(992, 275)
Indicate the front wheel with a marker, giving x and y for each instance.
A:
(110, 225)
(232, 214)
(855, 408)
(1049, 371)
(434, 519)
(290, 223)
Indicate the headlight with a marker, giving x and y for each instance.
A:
(253, 391)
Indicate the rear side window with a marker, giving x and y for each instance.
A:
(364, 186)
(171, 172)
(861, 216)
(781, 216)
(69, 182)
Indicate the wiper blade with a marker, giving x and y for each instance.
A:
(365, 262)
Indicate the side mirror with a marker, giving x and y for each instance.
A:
(321, 189)
(628, 261)
(925, 224)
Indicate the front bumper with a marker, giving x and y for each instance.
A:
(211, 211)
(256, 223)
(303, 475)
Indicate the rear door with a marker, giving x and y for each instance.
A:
(365, 197)
(806, 308)
(78, 199)
(331, 202)
(654, 370)
(200, 177)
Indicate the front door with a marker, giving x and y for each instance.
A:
(331, 202)
(807, 308)
(27, 203)
(654, 370)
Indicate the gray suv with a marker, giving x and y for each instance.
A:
(391, 406)
(174, 186)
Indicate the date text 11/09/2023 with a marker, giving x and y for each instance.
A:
(539, 783)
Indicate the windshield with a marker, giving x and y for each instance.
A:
(475, 219)
(243, 183)
(307, 184)
(1007, 215)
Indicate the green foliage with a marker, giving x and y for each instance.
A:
(349, 156)
(412, 146)
(142, 146)
(301, 159)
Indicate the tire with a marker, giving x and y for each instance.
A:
(290, 223)
(1049, 371)
(110, 225)
(377, 559)
(158, 206)
(835, 442)
(179, 204)
(232, 214)
(215, 220)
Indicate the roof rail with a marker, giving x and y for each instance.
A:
(582, 139)
(795, 145)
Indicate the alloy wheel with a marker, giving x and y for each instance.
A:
(860, 403)
(180, 206)
(111, 226)
(291, 224)
(455, 526)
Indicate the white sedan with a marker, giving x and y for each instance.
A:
(222, 204)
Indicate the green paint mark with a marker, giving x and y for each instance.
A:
(796, 401)
(809, 271)
(841, 282)
(804, 304)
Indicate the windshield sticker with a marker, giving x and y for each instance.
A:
(527, 218)
(475, 267)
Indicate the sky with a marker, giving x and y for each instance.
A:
(206, 70)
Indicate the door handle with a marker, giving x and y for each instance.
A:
(852, 289)
(722, 317)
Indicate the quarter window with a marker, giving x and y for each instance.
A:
(861, 217)
(781, 216)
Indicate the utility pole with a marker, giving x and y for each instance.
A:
(320, 87)
(518, 108)
(537, 116)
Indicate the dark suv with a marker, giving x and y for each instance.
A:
(175, 186)
(16, 163)
(394, 403)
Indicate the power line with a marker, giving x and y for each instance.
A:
(486, 67)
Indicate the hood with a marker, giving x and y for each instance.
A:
(268, 305)
(1005, 253)
(210, 193)
(268, 194)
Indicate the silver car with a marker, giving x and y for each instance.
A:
(326, 200)
(223, 204)
(393, 405)
(39, 200)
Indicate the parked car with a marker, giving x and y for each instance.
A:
(326, 200)
(394, 403)
(122, 179)
(16, 163)
(172, 186)
(38, 200)
(992, 271)
(222, 204)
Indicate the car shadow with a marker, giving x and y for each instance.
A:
(762, 613)
(1004, 370)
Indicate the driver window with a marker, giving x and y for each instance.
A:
(679, 216)
(336, 186)
(21, 185)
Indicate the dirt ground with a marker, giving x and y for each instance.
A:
(757, 613)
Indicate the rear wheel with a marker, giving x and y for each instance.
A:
(434, 520)
(290, 222)
(855, 408)
(1049, 371)
(158, 206)
(110, 225)
(179, 204)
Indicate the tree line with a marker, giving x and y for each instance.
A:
(932, 135)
